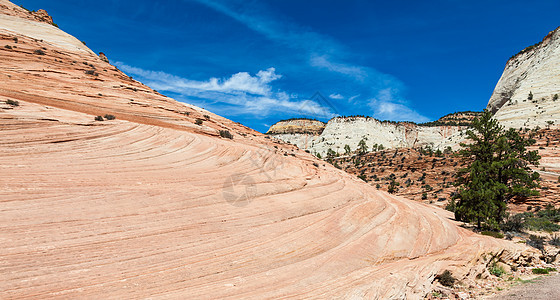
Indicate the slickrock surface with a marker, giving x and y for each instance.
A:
(153, 205)
(536, 71)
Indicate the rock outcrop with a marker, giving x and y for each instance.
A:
(350, 131)
(298, 126)
(158, 204)
(527, 93)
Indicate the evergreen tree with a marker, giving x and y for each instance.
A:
(362, 147)
(499, 172)
(347, 149)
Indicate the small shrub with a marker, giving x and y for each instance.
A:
(541, 224)
(555, 241)
(198, 121)
(494, 234)
(540, 271)
(90, 72)
(99, 118)
(39, 52)
(496, 270)
(514, 223)
(12, 102)
(424, 196)
(446, 279)
(8, 47)
(226, 134)
(316, 165)
(536, 241)
(207, 117)
(110, 117)
(451, 205)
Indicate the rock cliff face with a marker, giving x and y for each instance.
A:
(295, 126)
(350, 131)
(527, 93)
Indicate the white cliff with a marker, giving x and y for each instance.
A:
(350, 131)
(527, 93)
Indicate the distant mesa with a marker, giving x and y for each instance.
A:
(318, 137)
(298, 126)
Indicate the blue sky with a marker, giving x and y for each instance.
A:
(257, 62)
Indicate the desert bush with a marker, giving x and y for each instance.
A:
(12, 102)
(540, 224)
(536, 241)
(424, 196)
(496, 270)
(39, 52)
(8, 47)
(110, 117)
(451, 205)
(513, 223)
(226, 134)
(495, 234)
(91, 72)
(207, 117)
(198, 121)
(446, 278)
(99, 118)
(540, 271)
(555, 240)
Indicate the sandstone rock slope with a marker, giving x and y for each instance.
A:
(527, 94)
(156, 204)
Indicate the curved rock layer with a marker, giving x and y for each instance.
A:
(153, 205)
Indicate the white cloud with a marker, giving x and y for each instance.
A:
(388, 106)
(351, 99)
(336, 96)
(346, 69)
(239, 82)
(241, 93)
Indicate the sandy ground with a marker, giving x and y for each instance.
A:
(546, 287)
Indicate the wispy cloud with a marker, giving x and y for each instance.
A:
(388, 105)
(324, 62)
(241, 93)
(322, 53)
(336, 96)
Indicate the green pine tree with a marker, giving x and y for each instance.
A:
(362, 147)
(347, 149)
(498, 173)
